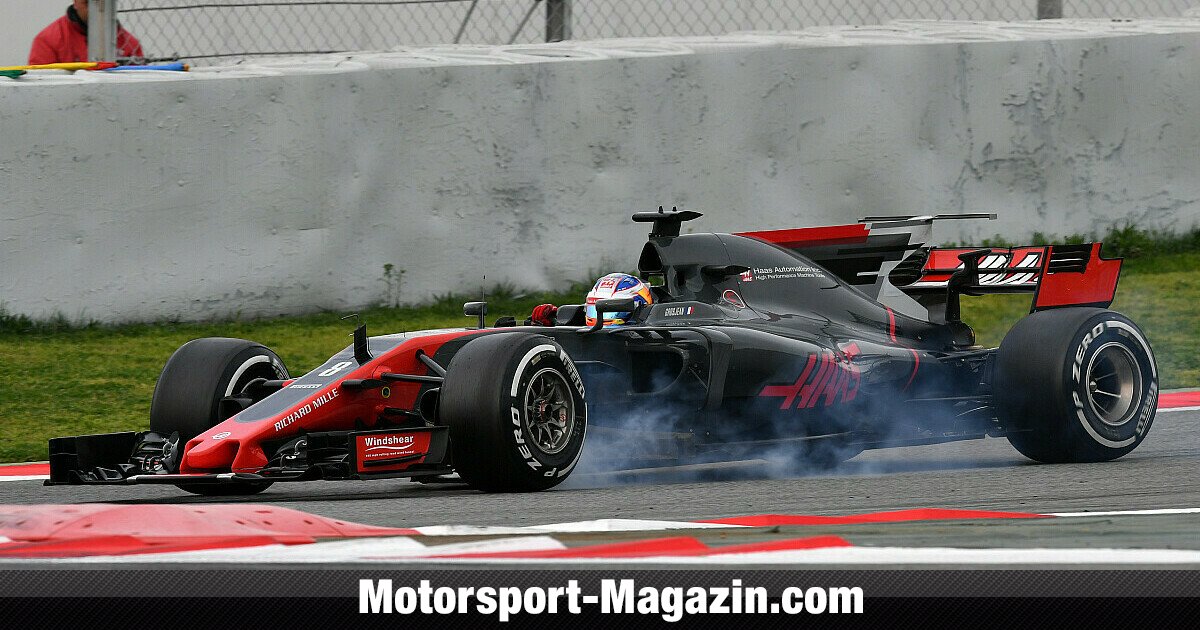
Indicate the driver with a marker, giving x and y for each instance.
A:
(613, 285)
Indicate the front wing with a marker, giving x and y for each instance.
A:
(124, 458)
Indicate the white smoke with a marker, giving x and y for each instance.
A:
(650, 443)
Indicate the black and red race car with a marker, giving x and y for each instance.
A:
(809, 343)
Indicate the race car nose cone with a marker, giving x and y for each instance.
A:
(209, 454)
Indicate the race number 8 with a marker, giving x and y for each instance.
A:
(335, 368)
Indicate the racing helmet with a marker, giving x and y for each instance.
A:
(616, 285)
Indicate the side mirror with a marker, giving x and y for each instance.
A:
(614, 305)
(569, 315)
(611, 305)
(476, 309)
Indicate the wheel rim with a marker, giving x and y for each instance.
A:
(1114, 384)
(549, 411)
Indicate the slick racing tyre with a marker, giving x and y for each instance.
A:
(188, 395)
(1075, 385)
(514, 403)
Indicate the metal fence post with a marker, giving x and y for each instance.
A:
(1049, 9)
(558, 20)
(102, 30)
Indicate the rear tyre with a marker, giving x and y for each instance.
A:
(514, 403)
(187, 397)
(1076, 385)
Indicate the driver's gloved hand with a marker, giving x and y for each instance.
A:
(543, 315)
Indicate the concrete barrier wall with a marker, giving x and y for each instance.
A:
(288, 187)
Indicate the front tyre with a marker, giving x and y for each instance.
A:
(188, 396)
(514, 404)
(1076, 385)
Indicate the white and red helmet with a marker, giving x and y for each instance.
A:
(616, 286)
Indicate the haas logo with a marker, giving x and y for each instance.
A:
(1020, 266)
(1018, 274)
(827, 382)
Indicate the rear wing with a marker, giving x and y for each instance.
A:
(1057, 275)
(888, 259)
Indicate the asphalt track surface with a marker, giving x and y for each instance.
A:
(1163, 473)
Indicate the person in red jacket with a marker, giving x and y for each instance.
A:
(66, 39)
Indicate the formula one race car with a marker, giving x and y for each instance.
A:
(811, 344)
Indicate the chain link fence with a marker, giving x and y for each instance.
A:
(1127, 9)
(224, 31)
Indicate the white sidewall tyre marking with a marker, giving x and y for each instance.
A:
(1096, 436)
(242, 370)
(525, 362)
(1142, 340)
(1087, 426)
(569, 467)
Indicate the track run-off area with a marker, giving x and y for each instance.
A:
(972, 503)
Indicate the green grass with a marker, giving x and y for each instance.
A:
(62, 379)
